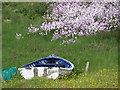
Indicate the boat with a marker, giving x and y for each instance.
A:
(50, 67)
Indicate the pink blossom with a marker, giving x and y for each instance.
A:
(79, 18)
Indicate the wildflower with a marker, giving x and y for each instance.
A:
(19, 36)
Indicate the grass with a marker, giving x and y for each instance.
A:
(105, 78)
(101, 50)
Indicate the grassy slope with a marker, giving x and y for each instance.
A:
(100, 50)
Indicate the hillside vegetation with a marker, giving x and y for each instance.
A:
(101, 50)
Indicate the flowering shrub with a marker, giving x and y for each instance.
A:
(68, 20)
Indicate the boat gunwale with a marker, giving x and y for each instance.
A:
(37, 61)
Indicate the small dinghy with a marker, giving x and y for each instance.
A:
(50, 67)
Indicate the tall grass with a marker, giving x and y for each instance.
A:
(101, 50)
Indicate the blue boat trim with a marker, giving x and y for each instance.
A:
(50, 62)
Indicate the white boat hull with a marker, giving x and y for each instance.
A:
(52, 73)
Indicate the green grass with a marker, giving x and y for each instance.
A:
(101, 50)
(105, 78)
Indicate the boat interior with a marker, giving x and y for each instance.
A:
(49, 62)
